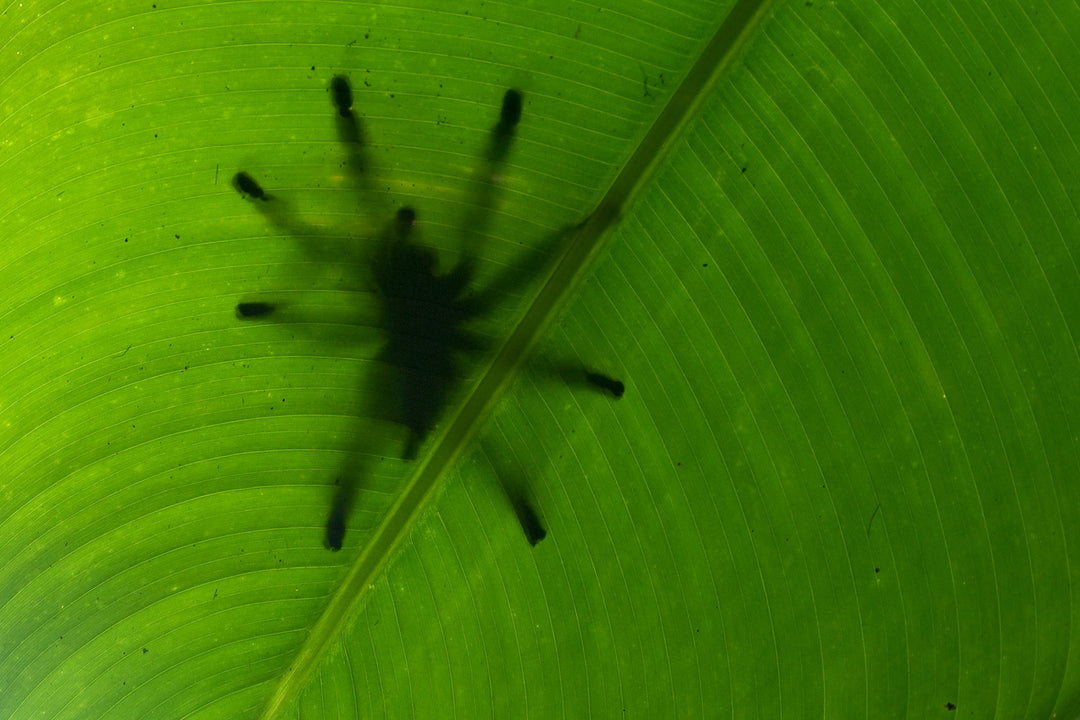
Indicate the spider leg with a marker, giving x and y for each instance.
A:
(254, 309)
(598, 380)
(315, 241)
(351, 135)
(515, 487)
(513, 278)
(335, 524)
(577, 375)
(503, 132)
(486, 178)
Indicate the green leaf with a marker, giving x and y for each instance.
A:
(830, 249)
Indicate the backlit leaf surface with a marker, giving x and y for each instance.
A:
(839, 281)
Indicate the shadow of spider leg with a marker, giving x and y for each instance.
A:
(513, 481)
(514, 485)
(577, 376)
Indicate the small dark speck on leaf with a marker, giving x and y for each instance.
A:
(877, 570)
(144, 651)
(949, 706)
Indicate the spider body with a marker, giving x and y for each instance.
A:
(425, 317)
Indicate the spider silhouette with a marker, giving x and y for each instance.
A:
(425, 315)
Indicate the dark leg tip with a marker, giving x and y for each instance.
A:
(342, 95)
(252, 310)
(246, 185)
(603, 382)
(335, 528)
(511, 110)
(530, 523)
(503, 132)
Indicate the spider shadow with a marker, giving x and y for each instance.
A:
(425, 316)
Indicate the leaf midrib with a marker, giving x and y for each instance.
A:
(726, 44)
